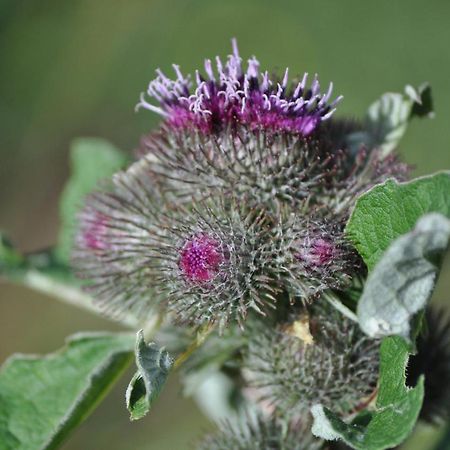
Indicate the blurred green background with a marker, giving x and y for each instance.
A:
(76, 68)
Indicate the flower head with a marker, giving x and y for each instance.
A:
(262, 433)
(205, 264)
(320, 357)
(231, 96)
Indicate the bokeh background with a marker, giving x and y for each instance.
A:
(76, 68)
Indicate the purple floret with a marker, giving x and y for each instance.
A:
(229, 96)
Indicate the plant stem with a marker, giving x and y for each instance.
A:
(200, 338)
(67, 294)
(336, 303)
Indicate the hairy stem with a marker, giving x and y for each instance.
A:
(67, 294)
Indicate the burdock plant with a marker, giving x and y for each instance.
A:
(260, 243)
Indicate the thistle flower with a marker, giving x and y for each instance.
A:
(433, 361)
(257, 433)
(323, 358)
(231, 97)
(210, 264)
(207, 264)
(237, 200)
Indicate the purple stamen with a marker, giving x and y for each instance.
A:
(200, 259)
(238, 97)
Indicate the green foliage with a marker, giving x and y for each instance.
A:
(10, 258)
(403, 265)
(43, 398)
(391, 209)
(92, 160)
(154, 365)
(403, 280)
(397, 406)
(387, 119)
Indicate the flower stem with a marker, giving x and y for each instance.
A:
(67, 294)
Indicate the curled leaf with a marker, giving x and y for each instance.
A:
(403, 279)
(154, 365)
(387, 119)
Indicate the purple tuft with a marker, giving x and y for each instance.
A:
(231, 97)
(94, 231)
(318, 252)
(200, 259)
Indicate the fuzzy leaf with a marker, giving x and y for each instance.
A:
(92, 159)
(403, 280)
(43, 398)
(154, 365)
(397, 406)
(387, 119)
(391, 209)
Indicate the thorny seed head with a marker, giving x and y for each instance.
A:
(262, 433)
(230, 96)
(265, 170)
(205, 263)
(321, 358)
(313, 255)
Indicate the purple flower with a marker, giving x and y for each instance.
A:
(230, 96)
(94, 232)
(318, 252)
(200, 258)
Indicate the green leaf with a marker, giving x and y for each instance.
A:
(43, 398)
(91, 160)
(403, 280)
(397, 406)
(387, 119)
(391, 209)
(154, 365)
